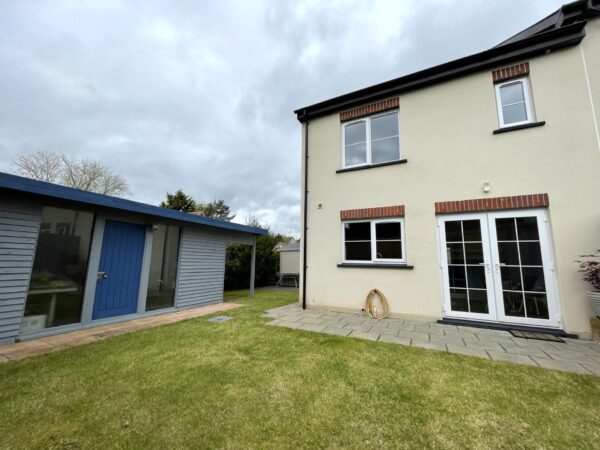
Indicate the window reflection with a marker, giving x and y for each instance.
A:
(57, 283)
(163, 268)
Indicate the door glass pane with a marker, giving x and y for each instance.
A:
(457, 276)
(476, 276)
(465, 266)
(528, 229)
(385, 150)
(537, 306)
(458, 300)
(455, 253)
(509, 253)
(478, 301)
(453, 231)
(474, 252)
(531, 253)
(511, 278)
(533, 279)
(471, 230)
(524, 274)
(513, 304)
(55, 295)
(505, 229)
(163, 268)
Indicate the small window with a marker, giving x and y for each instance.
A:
(374, 241)
(372, 140)
(514, 102)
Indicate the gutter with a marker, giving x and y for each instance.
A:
(305, 216)
(539, 44)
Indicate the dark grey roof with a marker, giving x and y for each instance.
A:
(291, 247)
(13, 183)
(564, 28)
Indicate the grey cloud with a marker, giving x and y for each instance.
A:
(199, 95)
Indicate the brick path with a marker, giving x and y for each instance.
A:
(48, 344)
(572, 356)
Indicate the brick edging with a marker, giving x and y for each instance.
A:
(492, 204)
(507, 73)
(372, 213)
(362, 111)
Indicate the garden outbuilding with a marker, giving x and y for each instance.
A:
(71, 259)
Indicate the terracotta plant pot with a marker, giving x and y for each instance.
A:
(594, 297)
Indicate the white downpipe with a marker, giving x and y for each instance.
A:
(589, 86)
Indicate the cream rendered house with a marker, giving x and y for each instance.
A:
(464, 192)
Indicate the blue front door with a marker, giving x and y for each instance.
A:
(118, 282)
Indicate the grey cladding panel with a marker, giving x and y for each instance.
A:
(201, 267)
(19, 227)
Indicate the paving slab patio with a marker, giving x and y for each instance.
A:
(33, 347)
(573, 355)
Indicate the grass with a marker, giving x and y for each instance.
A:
(243, 384)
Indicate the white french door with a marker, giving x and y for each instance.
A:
(498, 266)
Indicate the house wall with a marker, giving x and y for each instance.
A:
(446, 136)
(201, 267)
(19, 227)
(289, 262)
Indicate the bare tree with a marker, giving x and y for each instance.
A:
(77, 173)
(42, 165)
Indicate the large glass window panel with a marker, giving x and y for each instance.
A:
(357, 231)
(389, 249)
(384, 126)
(358, 251)
(163, 268)
(514, 113)
(356, 154)
(512, 93)
(58, 277)
(355, 133)
(385, 150)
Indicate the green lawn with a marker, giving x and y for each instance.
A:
(243, 384)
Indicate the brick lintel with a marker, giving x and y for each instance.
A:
(372, 213)
(492, 204)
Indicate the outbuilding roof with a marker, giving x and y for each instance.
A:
(291, 247)
(50, 190)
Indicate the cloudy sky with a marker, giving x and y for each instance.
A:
(200, 95)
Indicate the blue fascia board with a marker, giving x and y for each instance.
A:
(27, 185)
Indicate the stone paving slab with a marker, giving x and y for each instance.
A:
(33, 347)
(571, 356)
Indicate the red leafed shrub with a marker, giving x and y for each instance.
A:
(590, 267)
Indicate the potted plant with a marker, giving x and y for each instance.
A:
(590, 268)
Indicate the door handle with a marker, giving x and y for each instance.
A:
(498, 265)
(487, 266)
(101, 276)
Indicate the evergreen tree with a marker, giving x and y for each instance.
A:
(179, 201)
(217, 209)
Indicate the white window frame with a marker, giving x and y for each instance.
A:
(374, 259)
(524, 81)
(367, 121)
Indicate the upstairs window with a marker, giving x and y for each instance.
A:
(372, 140)
(374, 241)
(513, 100)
